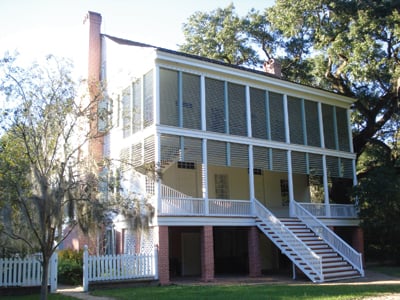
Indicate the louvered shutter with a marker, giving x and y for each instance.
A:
(258, 113)
(239, 155)
(149, 149)
(137, 103)
(126, 112)
(192, 150)
(261, 157)
(169, 110)
(299, 162)
(315, 164)
(343, 129)
(237, 109)
(295, 120)
(329, 127)
(215, 105)
(137, 155)
(277, 117)
(312, 123)
(279, 160)
(216, 153)
(191, 101)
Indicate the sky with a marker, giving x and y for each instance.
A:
(38, 27)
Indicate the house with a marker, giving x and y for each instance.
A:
(250, 173)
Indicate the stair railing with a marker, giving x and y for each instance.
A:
(305, 253)
(331, 238)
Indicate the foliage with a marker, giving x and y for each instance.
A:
(70, 267)
(379, 211)
(48, 180)
(258, 291)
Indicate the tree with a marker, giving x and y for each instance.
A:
(218, 35)
(47, 174)
(347, 47)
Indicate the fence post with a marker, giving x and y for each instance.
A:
(53, 272)
(155, 262)
(85, 269)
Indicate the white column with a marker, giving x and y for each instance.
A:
(157, 183)
(290, 183)
(251, 160)
(204, 177)
(326, 187)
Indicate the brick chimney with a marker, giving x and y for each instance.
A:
(93, 24)
(273, 67)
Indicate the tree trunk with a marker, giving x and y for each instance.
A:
(45, 278)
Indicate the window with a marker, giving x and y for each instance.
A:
(221, 186)
(186, 165)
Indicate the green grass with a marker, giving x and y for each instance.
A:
(242, 292)
(388, 270)
(36, 297)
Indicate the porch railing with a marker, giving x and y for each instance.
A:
(322, 210)
(201, 207)
(329, 237)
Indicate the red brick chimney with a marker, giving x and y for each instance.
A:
(93, 23)
(273, 67)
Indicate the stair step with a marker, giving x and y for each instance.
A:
(341, 275)
(334, 264)
(337, 269)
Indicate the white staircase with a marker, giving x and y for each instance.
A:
(318, 260)
(334, 266)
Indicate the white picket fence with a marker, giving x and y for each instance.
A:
(23, 272)
(118, 267)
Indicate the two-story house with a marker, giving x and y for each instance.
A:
(252, 171)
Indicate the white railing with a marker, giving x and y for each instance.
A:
(168, 192)
(182, 206)
(281, 235)
(118, 267)
(332, 239)
(322, 210)
(222, 207)
(27, 272)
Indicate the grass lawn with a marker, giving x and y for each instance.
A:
(242, 292)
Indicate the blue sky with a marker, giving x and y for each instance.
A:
(39, 27)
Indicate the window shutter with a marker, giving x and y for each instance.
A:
(237, 109)
(193, 150)
(279, 160)
(137, 103)
(215, 105)
(169, 109)
(329, 127)
(191, 101)
(312, 123)
(277, 117)
(258, 113)
(343, 129)
(261, 158)
(216, 152)
(148, 99)
(296, 120)
(239, 155)
(149, 148)
(315, 164)
(299, 162)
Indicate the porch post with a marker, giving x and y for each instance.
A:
(254, 252)
(157, 182)
(207, 254)
(251, 160)
(163, 255)
(326, 187)
(290, 183)
(204, 144)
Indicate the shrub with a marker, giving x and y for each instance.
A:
(70, 267)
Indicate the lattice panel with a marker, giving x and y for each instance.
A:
(277, 118)
(139, 241)
(215, 105)
(296, 120)
(169, 97)
(191, 101)
(258, 113)
(343, 129)
(312, 123)
(237, 109)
